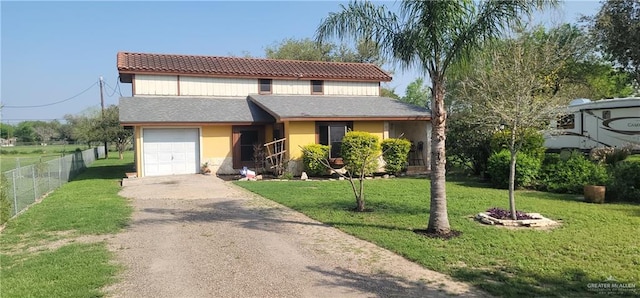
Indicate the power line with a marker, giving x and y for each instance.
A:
(53, 103)
(116, 89)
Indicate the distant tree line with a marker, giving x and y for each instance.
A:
(90, 127)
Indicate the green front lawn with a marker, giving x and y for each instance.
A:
(593, 243)
(42, 251)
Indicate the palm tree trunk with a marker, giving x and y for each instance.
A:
(438, 217)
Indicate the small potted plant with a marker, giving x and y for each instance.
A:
(594, 189)
(204, 169)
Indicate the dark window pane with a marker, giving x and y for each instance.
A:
(337, 133)
(246, 153)
(265, 85)
(316, 86)
(567, 122)
(248, 137)
(323, 134)
(336, 148)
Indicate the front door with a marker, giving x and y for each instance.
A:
(246, 140)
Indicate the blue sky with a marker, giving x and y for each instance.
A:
(52, 51)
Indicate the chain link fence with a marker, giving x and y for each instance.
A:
(26, 185)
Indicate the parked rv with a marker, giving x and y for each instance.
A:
(591, 124)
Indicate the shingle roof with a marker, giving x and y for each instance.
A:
(338, 107)
(190, 110)
(129, 63)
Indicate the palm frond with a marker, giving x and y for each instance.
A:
(361, 21)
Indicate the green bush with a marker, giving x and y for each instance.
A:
(571, 173)
(468, 144)
(527, 169)
(5, 203)
(625, 182)
(312, 157)
(395, 153)
(360, 151)
(532, 142)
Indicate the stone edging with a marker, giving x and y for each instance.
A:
(538, 221)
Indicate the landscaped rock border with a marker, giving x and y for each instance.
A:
(537, 221)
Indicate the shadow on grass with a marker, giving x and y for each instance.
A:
(361, 225)
(550, 196)
(504, 283)
(107, 171)
(380, 284)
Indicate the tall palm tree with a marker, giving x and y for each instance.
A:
(431, 35)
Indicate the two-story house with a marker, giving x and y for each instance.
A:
(187, 110)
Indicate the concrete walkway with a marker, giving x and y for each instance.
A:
(198, 236)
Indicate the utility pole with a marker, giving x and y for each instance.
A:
(106, 148)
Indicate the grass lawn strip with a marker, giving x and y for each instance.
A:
(594, 242)
(57, 248)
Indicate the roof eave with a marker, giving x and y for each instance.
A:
(197, 123)
(354, 118)
(127, 75)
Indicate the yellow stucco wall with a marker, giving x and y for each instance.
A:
(299, 134)
(374, 127)
(216, 141)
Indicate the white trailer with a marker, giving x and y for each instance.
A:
(591, 124)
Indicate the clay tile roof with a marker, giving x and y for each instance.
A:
(129, 63)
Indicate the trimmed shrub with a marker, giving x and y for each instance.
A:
(527, 169)
(625, 182)
(570, 174)
(395, 153)
(532, 142)
(359, 147)
(312, 157)
(5, 203)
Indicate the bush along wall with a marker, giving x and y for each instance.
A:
(395, 153)
(312, 157)
(624, 184)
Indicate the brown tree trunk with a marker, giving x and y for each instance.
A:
(512, 173)
(512, 183)
(361, 194)
(438, 217)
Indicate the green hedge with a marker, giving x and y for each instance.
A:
(358, 147)
(571, 173)
(312, 157)
(625, 182)
(395, 153)
(527, 169)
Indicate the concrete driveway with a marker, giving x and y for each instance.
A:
(198, 236)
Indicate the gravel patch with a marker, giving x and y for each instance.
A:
(198, 236)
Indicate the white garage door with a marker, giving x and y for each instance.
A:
(170, 151)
